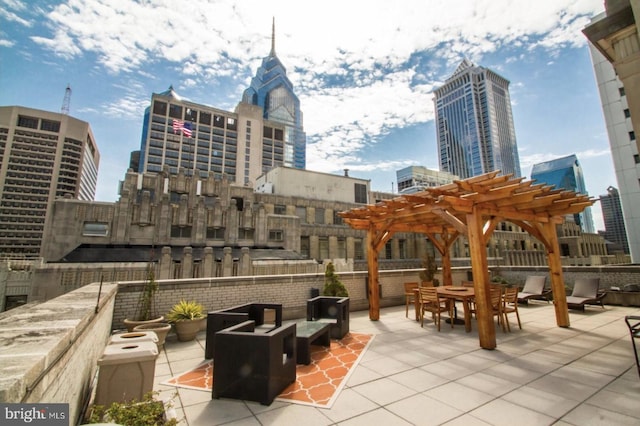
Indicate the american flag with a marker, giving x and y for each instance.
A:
(184, 126)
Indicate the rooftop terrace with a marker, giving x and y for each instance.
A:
(542, 374)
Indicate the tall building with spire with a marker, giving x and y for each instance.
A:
(265, 131)
(474, 123)
(272, 91)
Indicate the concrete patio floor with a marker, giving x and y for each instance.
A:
(540, 375)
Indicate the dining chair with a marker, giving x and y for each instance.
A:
(409, 295)
(495, 293)
(510, 305)
(426, 284)
(472, 302)
(430, 301)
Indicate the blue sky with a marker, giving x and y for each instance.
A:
(364, 72)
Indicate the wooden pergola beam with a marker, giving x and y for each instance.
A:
(471, 207)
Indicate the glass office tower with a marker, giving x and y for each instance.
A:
(474, 123)
(272, 90)
(565, 173)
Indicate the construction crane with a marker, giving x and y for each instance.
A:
(66, 102)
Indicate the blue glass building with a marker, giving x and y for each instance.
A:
(565, 173)
(272, 90)
(474, 123)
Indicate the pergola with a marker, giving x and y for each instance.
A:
(471, 207)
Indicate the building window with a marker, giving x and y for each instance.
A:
(245, 233)
(279, 209)
(276, 235)
(93, 229)
(50, 125)
(30, 122)
(160, 108)
(191, 115)
(218, 121)
(175, 111)
(360, 193)
(402, 245)
(305, 244)
(301, 212)
(636, 158)
(337, 219)
(342, 248)
(632, 135)
(215, 233)
(323, 243)
(180, 232)
(358, 250)
(278, 134)
(319, 216)
(627, 113)
(388, 251)
(621, 91)
(14, 301)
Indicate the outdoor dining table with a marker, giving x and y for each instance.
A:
(463, 294)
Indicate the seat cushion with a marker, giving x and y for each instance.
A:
(585, 288)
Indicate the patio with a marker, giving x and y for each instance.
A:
(542, 374)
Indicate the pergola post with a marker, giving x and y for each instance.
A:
(555, 270)
(480, 267)
(372, 268)
(447, 278)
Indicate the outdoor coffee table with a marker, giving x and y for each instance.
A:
(308, 333)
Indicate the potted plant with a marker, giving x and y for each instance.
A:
(187, 318)
(332, 284)
(430, 268)
(146, 308)
(149, 411)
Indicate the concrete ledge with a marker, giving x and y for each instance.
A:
(48, 351)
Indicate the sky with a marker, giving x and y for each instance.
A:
(364, 72)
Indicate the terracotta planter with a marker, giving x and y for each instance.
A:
(187, 330)
(131, 324)
(160, 328)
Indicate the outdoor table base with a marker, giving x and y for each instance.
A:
(308, 333)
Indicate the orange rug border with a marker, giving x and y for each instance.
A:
(338, 389)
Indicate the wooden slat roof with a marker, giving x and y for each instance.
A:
(444, 208)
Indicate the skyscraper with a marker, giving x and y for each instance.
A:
(264, 131)
(43, 156)
(620, 107)
(565, 173)
(474, 123)
(272, 90)
(414, 179)
(614, 229)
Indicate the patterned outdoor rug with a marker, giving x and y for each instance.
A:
(317, 384)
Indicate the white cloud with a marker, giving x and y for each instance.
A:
(351, 62)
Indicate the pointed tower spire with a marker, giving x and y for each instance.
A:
(273, 38)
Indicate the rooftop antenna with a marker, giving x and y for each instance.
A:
(66, 102)
(273, 37)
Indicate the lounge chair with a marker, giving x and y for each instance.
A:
(534, 289)
(585, 292)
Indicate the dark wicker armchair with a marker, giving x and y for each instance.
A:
(224, 318)
(334, 310)
(254, 366)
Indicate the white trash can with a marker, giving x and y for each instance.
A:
(126, 372)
